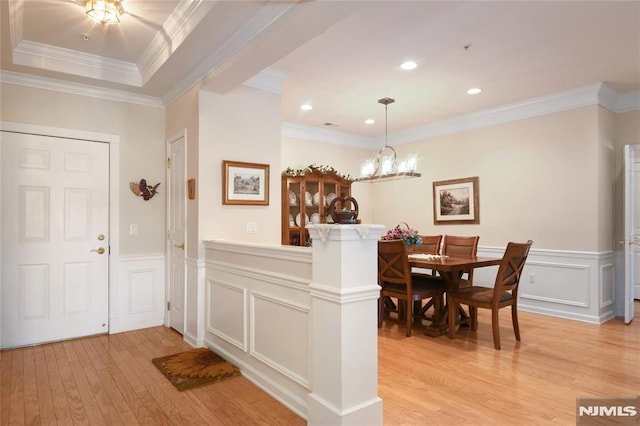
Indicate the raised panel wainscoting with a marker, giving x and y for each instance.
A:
(251, 291)
(138, 296)
(566, 284)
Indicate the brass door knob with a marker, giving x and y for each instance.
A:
(100, 237)
(180, 246)
(100, 250)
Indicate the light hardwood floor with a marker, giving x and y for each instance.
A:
(109, 379)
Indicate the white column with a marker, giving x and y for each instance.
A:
(344, 330)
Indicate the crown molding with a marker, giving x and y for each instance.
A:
(11, 77)
(593, 94)
(52, 58)
(183, 20)
(628, 102)
(225, 51)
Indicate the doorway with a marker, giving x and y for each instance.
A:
(176, 218)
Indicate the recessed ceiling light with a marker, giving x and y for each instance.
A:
(408, 65)
(306, 107)
(474, 91)
(369, 121)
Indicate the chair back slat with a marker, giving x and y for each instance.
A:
(430, 244)
(461, 246)
(510, 270)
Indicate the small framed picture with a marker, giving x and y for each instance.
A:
(456, 201)
(245, 183)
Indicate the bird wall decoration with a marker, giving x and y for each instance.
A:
(141, 189)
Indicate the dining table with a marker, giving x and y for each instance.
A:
(450, 269)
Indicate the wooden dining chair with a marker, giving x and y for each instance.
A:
(503, 293)
(395, 280)
(430, 244)
(454, 245)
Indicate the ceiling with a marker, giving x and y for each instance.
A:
(339, 56)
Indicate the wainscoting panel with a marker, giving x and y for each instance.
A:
(573, 285)
(257, 315)
(226, 312)
(286, 352)
(137, 298)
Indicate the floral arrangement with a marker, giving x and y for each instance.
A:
(313, 167)
(408, 234)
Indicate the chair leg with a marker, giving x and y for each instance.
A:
(514, 319)
(473, 313)
(496, 327)
(409, 314)
(381, 304)
(451, 323)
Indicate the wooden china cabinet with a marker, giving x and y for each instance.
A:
(306, 198)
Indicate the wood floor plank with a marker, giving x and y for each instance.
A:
(16, 399)
(6, 360)
(59, 396)
(83, 410)
(31, 407)
(45, 399)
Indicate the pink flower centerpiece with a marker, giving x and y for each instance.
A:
(408, 234)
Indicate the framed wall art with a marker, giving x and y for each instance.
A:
(245, 183)
(456, 201)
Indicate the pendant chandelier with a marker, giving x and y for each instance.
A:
(384, 165)
(104, 11)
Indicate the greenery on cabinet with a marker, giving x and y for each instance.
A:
(306, 196)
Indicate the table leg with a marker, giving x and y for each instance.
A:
(439, 325)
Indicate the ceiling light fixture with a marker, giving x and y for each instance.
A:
(408, 65)
(306, 107)
(384, 166)
(474, 91)
(104, 11)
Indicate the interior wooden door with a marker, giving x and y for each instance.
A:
(177, 233)
(55, 238)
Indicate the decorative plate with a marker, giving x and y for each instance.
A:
(330, 197)
(291, 222)
(307, 198)
(299, 219)
(316, 198)
(292, 198)
(315, 218)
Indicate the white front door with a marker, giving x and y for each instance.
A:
(177, 233)
(55, 238)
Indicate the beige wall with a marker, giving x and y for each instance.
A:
(243, 125)
(142, 152)
(548, 178)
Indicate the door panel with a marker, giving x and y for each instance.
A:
(54, 283)
(177, 233)
(631, 237)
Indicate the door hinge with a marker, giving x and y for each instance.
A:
(168, 306)
(168, 163)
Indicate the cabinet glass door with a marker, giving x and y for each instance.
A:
(295, 212)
